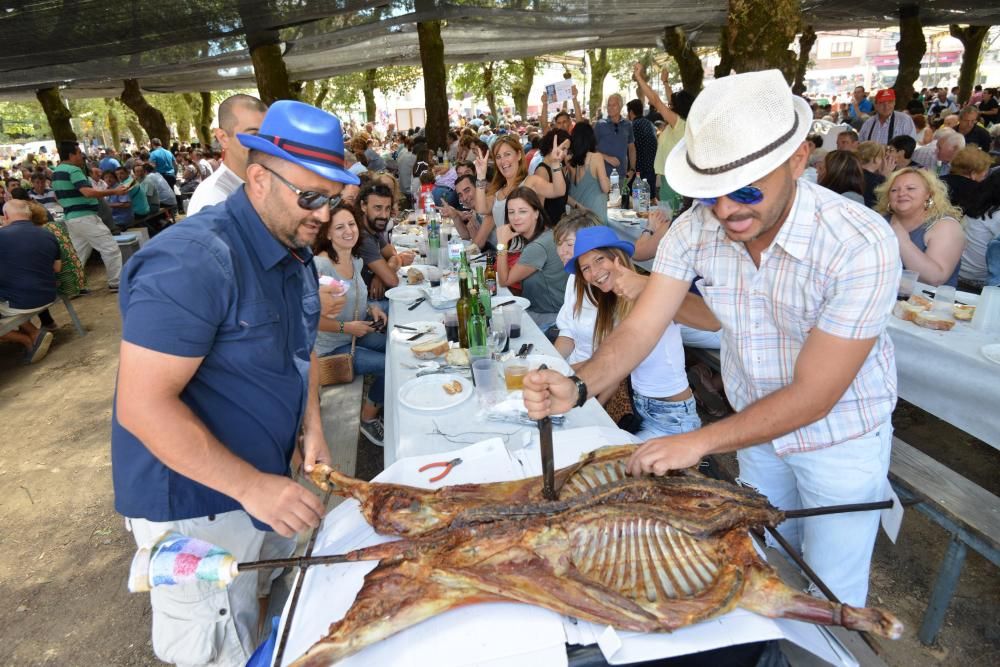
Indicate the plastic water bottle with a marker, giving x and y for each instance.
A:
(640, 195)
(615, 193)
(433, 241)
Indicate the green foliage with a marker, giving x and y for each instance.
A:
(344, 92)
(22, 121)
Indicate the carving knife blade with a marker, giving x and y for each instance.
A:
(548, 465)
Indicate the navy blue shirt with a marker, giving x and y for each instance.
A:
(27, 276)
(219, 286)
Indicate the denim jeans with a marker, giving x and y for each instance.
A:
(369, 359)
(838, 547)
(665, 417)
(441, 193)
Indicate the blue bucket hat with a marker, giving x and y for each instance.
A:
(303, 135)
(592, 238)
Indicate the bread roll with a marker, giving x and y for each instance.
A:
(430, 349)
(453, 387)
(921, 302)
(414, 276)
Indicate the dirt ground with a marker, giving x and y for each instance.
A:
(64, 552)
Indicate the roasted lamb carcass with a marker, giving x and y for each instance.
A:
(644, 554)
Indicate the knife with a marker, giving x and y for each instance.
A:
(548, 465)
(422, 333)
(525, 350)
(404, 327)
(505, 303)
(416, 303)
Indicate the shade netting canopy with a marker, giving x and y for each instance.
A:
(87, 47)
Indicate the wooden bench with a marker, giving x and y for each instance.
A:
(970, 513)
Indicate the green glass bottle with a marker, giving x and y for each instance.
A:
(484, 294)
(463, 309)
(478, 338)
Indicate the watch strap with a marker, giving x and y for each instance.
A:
(581, 390)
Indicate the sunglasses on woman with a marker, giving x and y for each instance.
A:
(308, 199)
(748, 194)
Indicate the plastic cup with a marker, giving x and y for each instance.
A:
(987, 316)
(944, 298)
(907, 284)
(512, 315)
(514, 371)
(451, 326)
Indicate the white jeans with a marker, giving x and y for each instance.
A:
(838, 547)
(90, 233)
(202, 624)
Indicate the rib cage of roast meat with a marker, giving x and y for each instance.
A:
(637, 553)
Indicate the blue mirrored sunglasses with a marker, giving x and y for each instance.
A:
(748, 194)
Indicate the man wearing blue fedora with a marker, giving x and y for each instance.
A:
(216, 380)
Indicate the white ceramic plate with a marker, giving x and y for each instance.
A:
(440, 300)
(427, 393)
(431, 329)
(992, 352)
(523, 303)
(404, 293)
(555, 363)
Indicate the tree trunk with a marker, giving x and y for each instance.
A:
(758, 35)
(677, 47)
(806, 41)
(725, 66)
(150, 117)
(205, 118)
(271, 74)
(522, 87)
(57, 113)
(489, 90)
(435, 83)
(368, 90)
(599, 68)
(972, 39)
(324, 90)
(184, 128)
(137, 134)
(911, 48)
(116, 137)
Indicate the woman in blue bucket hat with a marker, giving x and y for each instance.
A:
(601, 261)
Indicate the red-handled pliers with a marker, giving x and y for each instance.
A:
(447, 465)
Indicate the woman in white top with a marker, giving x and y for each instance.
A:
(982, 225)
(662, 396)
(576, 325)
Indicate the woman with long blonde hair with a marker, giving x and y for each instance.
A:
(927, 226)
(660, 388)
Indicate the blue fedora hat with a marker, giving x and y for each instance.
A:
(592, 238)
(303, 135)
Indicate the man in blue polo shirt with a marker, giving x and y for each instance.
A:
(164, 162)
(217, 379)
(615, 139)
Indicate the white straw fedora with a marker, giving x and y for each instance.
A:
(740, 128)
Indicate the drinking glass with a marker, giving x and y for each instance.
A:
(907, 284)
(451, 325)
(512, 315)
(944, 298)
(514, 371)
(489, 386)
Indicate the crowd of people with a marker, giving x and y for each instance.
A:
(224, 321)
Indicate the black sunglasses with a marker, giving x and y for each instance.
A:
(308, 199)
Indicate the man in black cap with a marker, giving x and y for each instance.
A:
(217, 380)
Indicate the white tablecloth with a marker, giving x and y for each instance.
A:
(946, 374)
(414, 433)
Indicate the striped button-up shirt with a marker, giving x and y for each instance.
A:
(833, 265)
(877, 131)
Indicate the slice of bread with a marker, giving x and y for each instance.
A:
(921, 302)
(458, 356)
(963, 312)
(934, 319)
(906, 311)
(430, 349)
(453, 387)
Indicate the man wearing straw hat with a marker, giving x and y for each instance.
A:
(803, 282)
(217, 381)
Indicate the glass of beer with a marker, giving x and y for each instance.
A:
(514, 371)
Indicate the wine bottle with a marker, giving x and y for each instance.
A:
(463, 309)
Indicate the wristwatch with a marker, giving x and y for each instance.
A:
(581, 391)
(481, 183)
(501, 248)
(646, 231)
